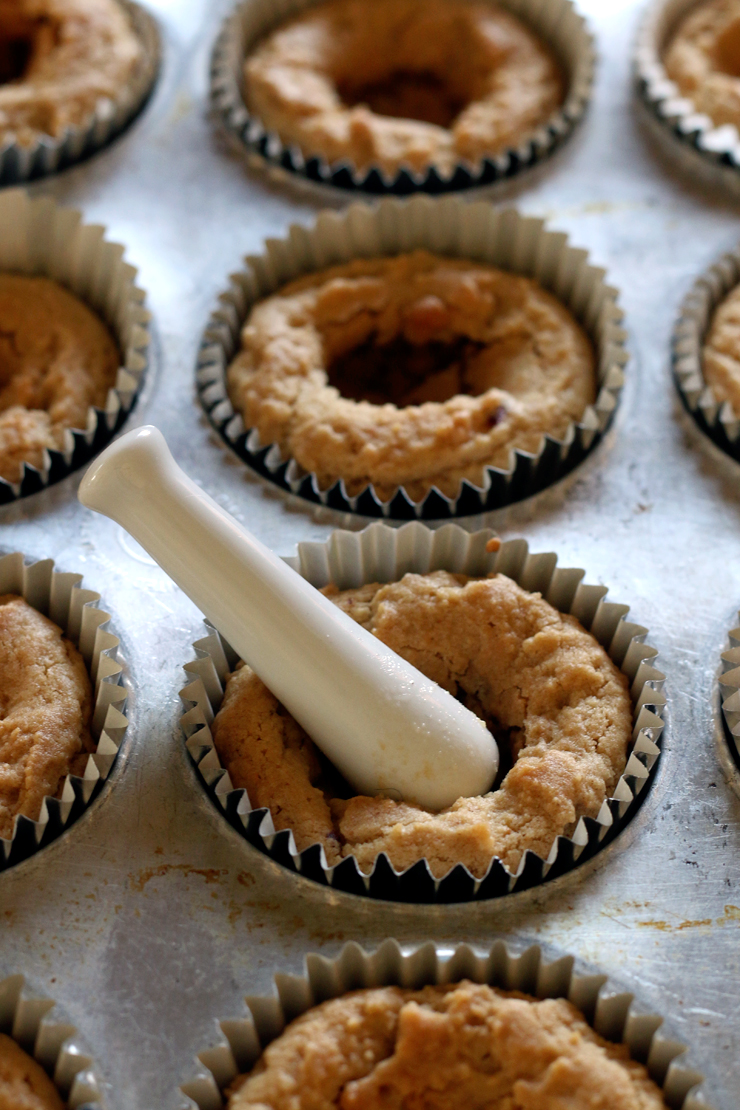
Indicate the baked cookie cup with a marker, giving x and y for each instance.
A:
(355, 848)
(52, 421)
(440, 95)
(705, 353)
(398, 452)
(409, 1030)
(63, 700)
(42, 1063)
(685, 77)
(78, 72)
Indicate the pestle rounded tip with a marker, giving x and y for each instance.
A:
(129, 461)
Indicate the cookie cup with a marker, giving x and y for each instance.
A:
(507, 965)
(690, 139)
(61, 597)
(49, 154)
(40, 238)
(501, 238)
(51, 1041)
(384, 554)
(717, 419)
(557, 23)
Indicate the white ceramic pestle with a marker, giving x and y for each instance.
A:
(379, 720)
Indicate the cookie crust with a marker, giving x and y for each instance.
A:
(559, 707)
(703, 58)
(57, 358)
(446, 1047)
(403, 83)
(80, 53)
(526, 369)
(24, 1085)
(45, 710)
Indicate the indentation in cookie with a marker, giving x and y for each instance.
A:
(727, 49)
(406, 94)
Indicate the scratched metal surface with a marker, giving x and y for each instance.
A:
(150, 919)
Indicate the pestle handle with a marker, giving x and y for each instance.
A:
(378, 719)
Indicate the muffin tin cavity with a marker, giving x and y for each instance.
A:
(508, 965)
(694, 142)
(27, 157)
(503, 239)
(40, 238)
(717, 418)
(61, 597)
(558, 24)
(383, 554)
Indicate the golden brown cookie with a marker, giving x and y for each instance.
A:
(703, 58)
(413, 371)
(721, 352)
(45, 710)
(57, 358)
(24, 1085)
(558, 706)
(58, 60)
(403, 83)
(444, 1048)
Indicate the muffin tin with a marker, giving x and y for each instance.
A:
(150, 920)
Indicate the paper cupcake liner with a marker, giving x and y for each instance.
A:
(37, 237)
(687, 136)
(498, 237)
(716, 419)
(61, 597)
(612, 1012)
(729, 686)
(557, 23)
(49, 154)
(384, 554)
(51, 1041)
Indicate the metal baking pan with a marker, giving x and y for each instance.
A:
(151, 918)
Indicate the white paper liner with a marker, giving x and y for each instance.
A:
(61, 597)
(612, 1012)
(557, 23)
(49, 154)
(716, 419)
(686, 135)
(729, 685)
(38, 237)
(384, 554)
(51, 1041)
(498, 237)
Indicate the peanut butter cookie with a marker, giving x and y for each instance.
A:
(414, 371)
(403, 83)
(466, 1045)
(45, 710)
(558, 706)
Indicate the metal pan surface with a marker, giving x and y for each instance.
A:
(151, 919)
